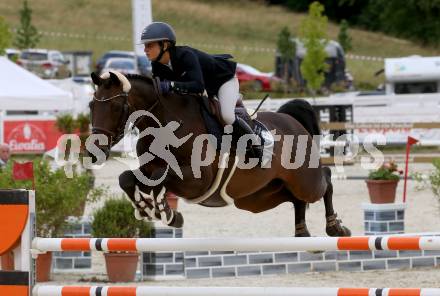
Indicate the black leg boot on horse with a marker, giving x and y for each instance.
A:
(148, 203)
(163, 211)
(300, 218)
(141, 199)
(333, 226)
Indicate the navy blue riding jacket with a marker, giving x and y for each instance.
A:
(193, 71)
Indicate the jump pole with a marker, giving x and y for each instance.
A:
(276, 244)
(226, 291)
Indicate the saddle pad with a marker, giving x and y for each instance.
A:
(212, 125)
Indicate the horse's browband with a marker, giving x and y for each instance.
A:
(124, 94)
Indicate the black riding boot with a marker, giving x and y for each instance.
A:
(242, 128)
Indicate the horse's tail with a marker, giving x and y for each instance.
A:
(302, 111)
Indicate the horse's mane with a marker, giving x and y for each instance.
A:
(139, 77)
(149, 80)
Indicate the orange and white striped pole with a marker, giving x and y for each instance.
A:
(239, 244)
(226, 291)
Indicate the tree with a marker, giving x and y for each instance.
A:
(343, 37)
(5, 36)
(313, 34)
(416, 20)
(287, 50)
(27, 35)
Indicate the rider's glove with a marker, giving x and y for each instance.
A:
(165, 87)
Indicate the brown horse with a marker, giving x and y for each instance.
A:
(255, 190)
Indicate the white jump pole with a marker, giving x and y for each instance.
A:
(225, 291)
(276, 244)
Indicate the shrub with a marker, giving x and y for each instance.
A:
(434, 178)
(57, 196)
(116, 219)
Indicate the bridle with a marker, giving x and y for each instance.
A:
(115, 137)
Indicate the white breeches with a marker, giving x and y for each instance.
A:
(228, 95)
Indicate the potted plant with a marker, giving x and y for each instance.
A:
(115, 220)
(382, 183)
(57, 197)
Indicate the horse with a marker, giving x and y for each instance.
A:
(221, 182)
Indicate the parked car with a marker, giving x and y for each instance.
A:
(257, 81)
(123, 65)
(13, 54)
(142, 63)
(45, 63)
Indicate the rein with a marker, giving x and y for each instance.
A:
(159, 96)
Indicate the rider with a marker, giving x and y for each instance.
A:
(183, 69)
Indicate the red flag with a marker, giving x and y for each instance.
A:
(23, 171)
(411, 140)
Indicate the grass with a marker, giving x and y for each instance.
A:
(233, 26)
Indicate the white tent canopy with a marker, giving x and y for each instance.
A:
(22, 90)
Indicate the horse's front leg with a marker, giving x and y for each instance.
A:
(164, 212)
(140, 196)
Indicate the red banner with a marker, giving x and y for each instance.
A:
(30, 136)
(23, 171)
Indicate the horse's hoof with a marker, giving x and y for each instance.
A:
(347, 232)
(334, 227)
(177, 221)
(301, 230)
(303, 234)
(338, 230)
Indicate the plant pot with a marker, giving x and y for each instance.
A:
(44, 264)
(121, 267)
(172, 200)
(382, 191)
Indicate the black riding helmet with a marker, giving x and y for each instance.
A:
(158, 31)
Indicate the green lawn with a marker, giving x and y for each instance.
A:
(235, 26)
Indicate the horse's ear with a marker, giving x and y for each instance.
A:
(114, 79)
(96, 79)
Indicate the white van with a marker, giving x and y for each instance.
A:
(412, 75)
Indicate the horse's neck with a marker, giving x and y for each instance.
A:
(180, 108)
